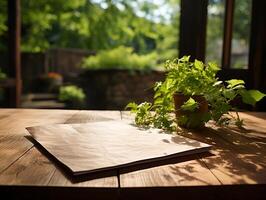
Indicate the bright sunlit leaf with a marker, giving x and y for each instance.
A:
(190, 105)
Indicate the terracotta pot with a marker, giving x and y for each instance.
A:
(189, 119)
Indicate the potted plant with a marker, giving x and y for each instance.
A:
(192, 91)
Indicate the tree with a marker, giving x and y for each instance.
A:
(89, 25)
(3, 24)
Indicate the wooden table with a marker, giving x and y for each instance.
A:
(235, 168)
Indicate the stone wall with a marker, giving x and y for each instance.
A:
(61, 60)
(66, 61)
(114, 89)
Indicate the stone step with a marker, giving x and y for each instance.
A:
(48, 104)
(39, 96)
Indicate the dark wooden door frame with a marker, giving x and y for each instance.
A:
(257, 50)
(14, 69)
(193, 36)
(193, 21)
(257, 53)
(228, 32)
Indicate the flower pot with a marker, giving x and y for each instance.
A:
(191, 119)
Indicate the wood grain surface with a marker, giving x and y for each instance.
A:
(238, 157)
(24, 164)
(236, 167)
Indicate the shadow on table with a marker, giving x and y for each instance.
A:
(240, 154)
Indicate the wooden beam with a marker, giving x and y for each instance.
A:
(193, 22)
(257, 51)
(14, 69)
(228, 32)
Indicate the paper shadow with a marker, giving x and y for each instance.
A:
(166, 161)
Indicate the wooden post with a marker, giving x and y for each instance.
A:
(257, 52)
(228, 32)
(14, 69)
(193, 22)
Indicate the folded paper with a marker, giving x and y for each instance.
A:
(96, 146)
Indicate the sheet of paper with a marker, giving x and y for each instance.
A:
(96, 146)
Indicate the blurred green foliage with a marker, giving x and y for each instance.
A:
(87, 24)
(120, 58)
(72, 95)
(3, 25)
(241, 31)
(2, 75)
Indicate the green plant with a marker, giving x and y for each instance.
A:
(119, 58)
(72, 95)
(2, 75)
(191, 79)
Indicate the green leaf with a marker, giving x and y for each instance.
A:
(198, 64)
(251, 96)
(257, 95)
(157, 85)
(239, 87)
(217, 83)
(229, 94)
(234, 82)
(182, 120)
(132, 106)
(189, 105)
(213, 66)
(184, 59)
(158, 101)
(144, 106)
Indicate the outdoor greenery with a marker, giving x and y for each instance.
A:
(72, 95)
(2, 75)
(241, 32)
(115, 59)
(3, 26)
(191, 79)
(97, 25)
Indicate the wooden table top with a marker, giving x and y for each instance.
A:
(235, 167)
